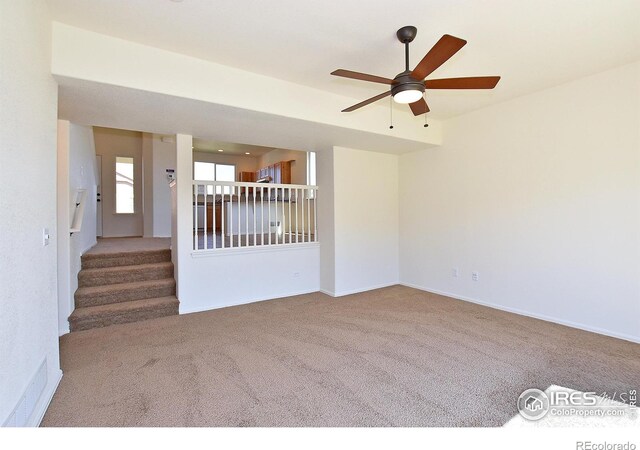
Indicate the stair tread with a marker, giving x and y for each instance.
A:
(106, 288)
(112, 269)
(94, 255)
(124, 307)
(125, 258)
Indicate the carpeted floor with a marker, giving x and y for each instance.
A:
(128, 244)
(391, 357)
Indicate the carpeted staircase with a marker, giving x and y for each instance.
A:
(124, 287)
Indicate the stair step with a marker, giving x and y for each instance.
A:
(126, 312)
(125, 274)
(124, 292)
(101, 260)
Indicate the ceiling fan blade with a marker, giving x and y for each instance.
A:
(419, 107)
(444, 49)
(366, 102)
(463, 83)
(361, 76)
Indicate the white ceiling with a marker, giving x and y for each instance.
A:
(532, 44)
(229, 148)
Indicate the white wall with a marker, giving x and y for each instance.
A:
(298, 165)
(28, 304)
(365, 220)
(147, 185)
(164, 157)
(326, 220)
(541, 196)
(76, 170)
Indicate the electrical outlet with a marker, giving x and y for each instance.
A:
(455, 272)
(475, 276)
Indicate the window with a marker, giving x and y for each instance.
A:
(207, 171)
(124, 185)
(311, 171)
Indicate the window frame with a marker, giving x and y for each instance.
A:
(215, 174)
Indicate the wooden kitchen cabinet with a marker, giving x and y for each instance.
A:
(218, 216)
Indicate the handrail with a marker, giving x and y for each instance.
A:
(252, 184)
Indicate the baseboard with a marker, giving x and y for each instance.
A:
(521, 312)
(365, 289)
(64, 330)
(254, 300)
(45, 401)
(330, 293)
(357, 291)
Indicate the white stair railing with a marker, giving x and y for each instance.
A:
(231, 215)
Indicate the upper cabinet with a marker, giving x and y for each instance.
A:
(279, 172)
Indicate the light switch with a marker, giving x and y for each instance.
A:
(45, 237)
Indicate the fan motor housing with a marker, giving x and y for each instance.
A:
(404, 82)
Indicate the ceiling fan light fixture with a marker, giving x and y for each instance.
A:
(409, 96)
(406, 90)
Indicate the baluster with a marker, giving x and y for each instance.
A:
(297, 233)
(222, 218)
(205, 214)
(213, 219)
(308, 215)
(289, 221)
(315, 215)
(302, 213)
(238, 196)
(269, 204)
(246, 218)
(195, 218)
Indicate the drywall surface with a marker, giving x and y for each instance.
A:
(365, 220)
(298, 163)
(147, 185)
(110, 143)
(76, 171)
(28, 119)
(541, 196)
(325, 220)
(164, 157)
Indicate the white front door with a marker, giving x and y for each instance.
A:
(98, 195)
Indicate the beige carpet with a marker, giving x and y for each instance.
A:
(391, 357)
(128, 244)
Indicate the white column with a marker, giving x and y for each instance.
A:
(65, 298)
(147, 184)
(182, 236)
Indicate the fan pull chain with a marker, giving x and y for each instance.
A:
(391, 112)
(425, 115)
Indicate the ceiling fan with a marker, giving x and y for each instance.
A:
(409, 86)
